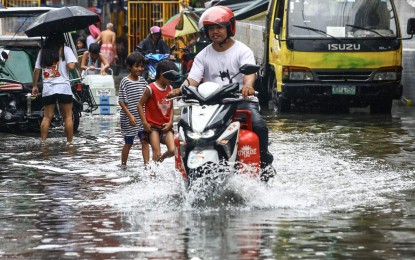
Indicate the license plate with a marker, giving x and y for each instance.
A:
(343, 90)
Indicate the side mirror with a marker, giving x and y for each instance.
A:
(410, 29)
(4, 55)
(139, 49)
(171, 75)
(248, 69)
(277, 26)
(172, 48)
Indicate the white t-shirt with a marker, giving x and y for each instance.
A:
(56, 77)
(209, 63)
(89, 41)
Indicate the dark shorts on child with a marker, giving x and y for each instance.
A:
(163, 135)
(129, 139)
(61, 98)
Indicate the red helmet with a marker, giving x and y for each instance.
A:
(221, 15)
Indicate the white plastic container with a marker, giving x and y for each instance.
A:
(103, 92)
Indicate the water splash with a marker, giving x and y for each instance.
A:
(319, 181)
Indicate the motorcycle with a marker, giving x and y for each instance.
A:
(20, 111)
(186, 60)
(211, 131)
(152, 60)
(189, 54)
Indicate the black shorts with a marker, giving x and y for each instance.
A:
(163, 135)
(61, 98)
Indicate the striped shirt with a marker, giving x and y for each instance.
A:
(130, 93)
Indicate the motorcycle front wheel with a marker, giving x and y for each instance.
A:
(208, 172)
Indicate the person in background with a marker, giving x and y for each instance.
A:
(227, 54)
(154, 43)
(54, 62)
(131, 89)
(80, 45)
(122, 45)
(158, 118)
(93, 59)
(107, 40)
(93, 34)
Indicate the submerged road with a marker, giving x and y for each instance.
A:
(344, 189)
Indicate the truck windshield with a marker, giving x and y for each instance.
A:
(341, 19)
(19, 65)
(15, 25)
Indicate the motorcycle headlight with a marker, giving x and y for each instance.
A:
(195, 135)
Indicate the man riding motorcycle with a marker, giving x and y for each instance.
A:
(153, 43)
(225, 52)
(153, 47)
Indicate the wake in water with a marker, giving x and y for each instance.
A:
(162, 187)
(318, 182)
(309, 178)
(313, 176)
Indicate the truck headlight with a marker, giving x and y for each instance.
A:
(297, 74)
(385, 75)
(388, 74)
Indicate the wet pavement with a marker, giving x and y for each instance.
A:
(344, 189)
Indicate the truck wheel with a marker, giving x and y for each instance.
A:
(263, 96)
(272, 91)
(381, 106)
(272, 103)
(283, 104)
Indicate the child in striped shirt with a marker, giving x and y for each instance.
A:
(131, 89)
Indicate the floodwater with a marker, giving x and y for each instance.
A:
(344, 189)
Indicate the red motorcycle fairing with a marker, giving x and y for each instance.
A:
(178, 159)
(249, 152)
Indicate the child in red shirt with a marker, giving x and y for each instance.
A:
(158, 118)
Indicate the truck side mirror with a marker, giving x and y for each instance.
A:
(4, 56)
(277, 26)
(410, 29)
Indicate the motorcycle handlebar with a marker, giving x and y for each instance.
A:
(75, 79)
(140, 50)
(239, 98)
(88, 69)
(256, 93)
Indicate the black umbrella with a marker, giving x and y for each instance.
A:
(65, 19)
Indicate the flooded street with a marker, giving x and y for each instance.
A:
(344, 189)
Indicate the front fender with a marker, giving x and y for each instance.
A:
(198, 158)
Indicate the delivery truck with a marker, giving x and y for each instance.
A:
(339, 52)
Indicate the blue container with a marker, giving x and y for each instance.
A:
(105, 110)
(104, 100)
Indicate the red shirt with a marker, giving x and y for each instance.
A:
(158, 107)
